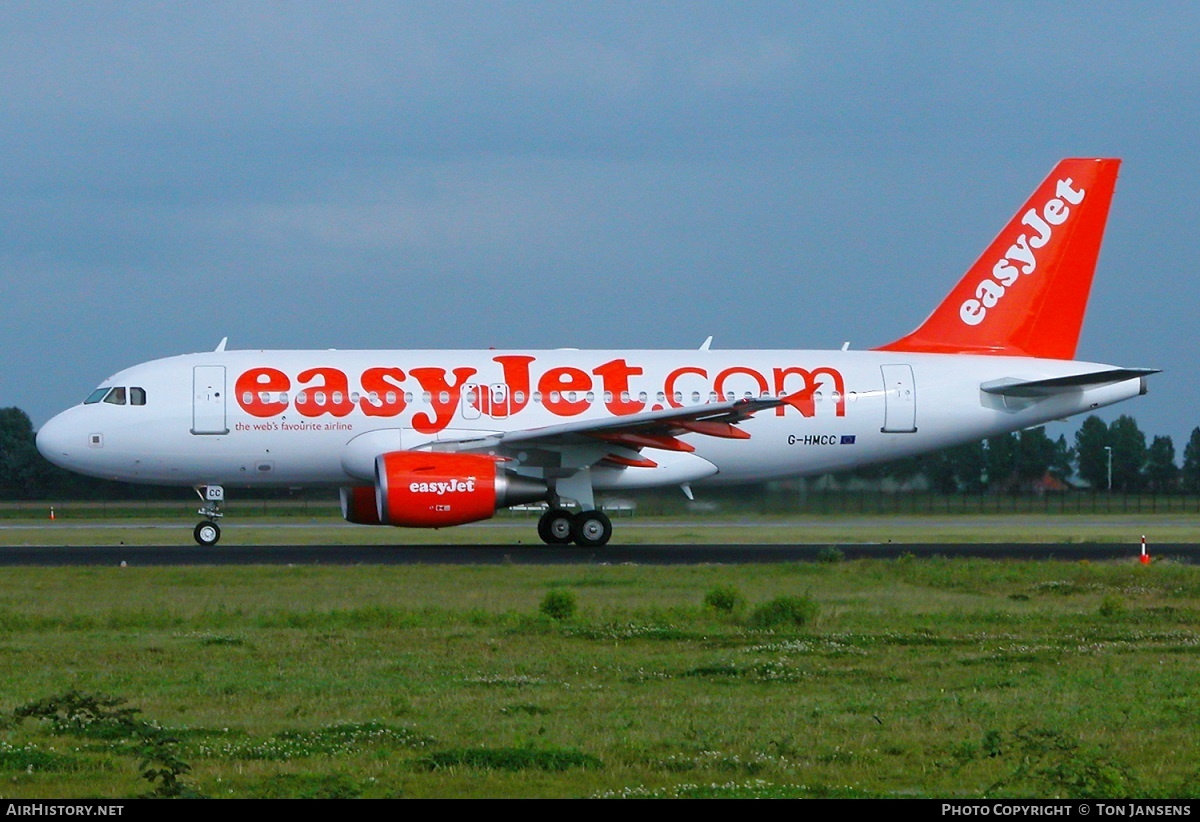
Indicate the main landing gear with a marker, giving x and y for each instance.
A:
(589, 529)
(207, 532)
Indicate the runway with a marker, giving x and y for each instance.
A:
(157, 555)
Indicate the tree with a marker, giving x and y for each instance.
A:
(959, 468)
(1015, 461)
(1128, 453)
(1035, 455)
(21, 466)
(1002, 462)
(1090, 454)
(1190, 475)
(1161, 471)
(1064, 456)
(969, 461)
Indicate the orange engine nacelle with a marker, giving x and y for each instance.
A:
(421, 489)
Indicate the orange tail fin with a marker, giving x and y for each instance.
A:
(1027, 294)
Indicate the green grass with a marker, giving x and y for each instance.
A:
(514, 529)
(940, 677)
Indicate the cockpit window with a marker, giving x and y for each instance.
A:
(117, 396)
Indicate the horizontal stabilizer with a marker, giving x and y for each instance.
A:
(1061, 385)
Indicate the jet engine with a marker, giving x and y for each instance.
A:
(424, 489)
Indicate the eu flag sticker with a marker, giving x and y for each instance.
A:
(847, 439)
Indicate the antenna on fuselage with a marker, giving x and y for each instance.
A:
(704, 345)
(221, 344)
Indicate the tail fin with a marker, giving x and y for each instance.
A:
(1027, 294)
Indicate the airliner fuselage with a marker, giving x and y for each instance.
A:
(261, 418)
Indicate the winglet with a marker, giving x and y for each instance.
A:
(1027, 294)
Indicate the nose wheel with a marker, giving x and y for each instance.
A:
(208, 532)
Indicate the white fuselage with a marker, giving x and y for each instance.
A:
(262, 418)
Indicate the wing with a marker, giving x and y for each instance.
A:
(618, 441)
(651, 429)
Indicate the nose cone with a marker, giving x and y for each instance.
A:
(59, 440)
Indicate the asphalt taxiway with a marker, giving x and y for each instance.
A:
(613, 554)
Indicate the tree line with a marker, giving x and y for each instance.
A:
(1104, 455)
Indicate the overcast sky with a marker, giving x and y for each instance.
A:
(619, 175)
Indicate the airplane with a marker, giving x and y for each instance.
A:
(437, 438)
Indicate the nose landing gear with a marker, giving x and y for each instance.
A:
(208, 532)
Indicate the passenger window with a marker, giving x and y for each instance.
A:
(116, 396)
(137, 396)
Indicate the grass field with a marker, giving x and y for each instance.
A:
(940, 677)
(173, 527)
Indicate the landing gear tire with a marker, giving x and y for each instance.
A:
(206, 533)
(591, 529)
(555, 527)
